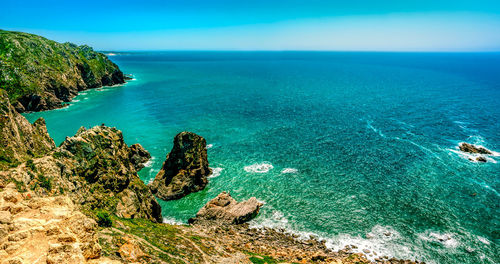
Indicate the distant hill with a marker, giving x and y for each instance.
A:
(39, 74)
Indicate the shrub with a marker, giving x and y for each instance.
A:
(45, 182)
(103, 219)
(31, 165)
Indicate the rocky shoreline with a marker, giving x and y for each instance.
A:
(82, 202)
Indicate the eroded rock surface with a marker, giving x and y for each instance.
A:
(185, 169)
(224, 209)
(19, 139)
(44, 229)
(469, 148)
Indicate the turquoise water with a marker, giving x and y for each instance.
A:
(357, 148)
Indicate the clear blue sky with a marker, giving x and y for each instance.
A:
(369, 25)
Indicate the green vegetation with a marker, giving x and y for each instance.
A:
(261, 259)
(45, 182)
(31, 165)
(34, 65)
(104, 219)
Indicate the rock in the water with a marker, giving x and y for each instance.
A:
(224, 209)
(466, 147)
(185, 170)
(481, 159)
(138, 156)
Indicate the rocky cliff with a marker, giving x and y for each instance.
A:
(20, 140)
(95, 167)
(39, 74)
(185, 170)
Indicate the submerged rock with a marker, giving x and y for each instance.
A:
(224, 209)
(481, 159)
(185, 169)
(469, 148)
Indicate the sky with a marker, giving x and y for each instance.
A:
(348, 25)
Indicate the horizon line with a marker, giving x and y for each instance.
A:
(339, 51)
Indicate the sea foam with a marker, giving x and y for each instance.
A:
(259, 167)
(289, 170)
(215, 172)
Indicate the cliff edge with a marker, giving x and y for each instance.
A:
(39, 74)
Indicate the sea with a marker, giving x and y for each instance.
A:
(356, 148)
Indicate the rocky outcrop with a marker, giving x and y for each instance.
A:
(39, 74)
(185, 169)
(224, 209)
(139, 156)
(44, 230)
(469, 148)
(103, 173)
(19, 139)
(95, 167)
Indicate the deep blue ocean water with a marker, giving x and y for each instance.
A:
(357, 148)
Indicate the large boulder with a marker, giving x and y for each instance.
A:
(224, 209)
(185, 169)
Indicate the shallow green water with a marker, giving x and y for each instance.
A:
(358, 148)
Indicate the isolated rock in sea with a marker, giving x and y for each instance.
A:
(481, 159)
(185, 170)
(466, 147)
(224, 209)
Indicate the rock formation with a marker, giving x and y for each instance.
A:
(44, 230)
(185, 169)
(224, 209)
(19, 139)
(95, 167)
(100, 158)
(469, 148)
(39, 74)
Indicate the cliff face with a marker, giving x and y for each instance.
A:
(95, 167)
(39, 74)
(20, 140)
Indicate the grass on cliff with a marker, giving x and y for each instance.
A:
(163, 241)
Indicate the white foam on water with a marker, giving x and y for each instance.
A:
(289, 170)
(483, 240)
(377, 242)
(215, 172)
(446, 239)
(472, 156)
(210, 146)
(149, 163)
(172, 221)
(110, 54)
(380, 241)
(75, 101)
(263, 167)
